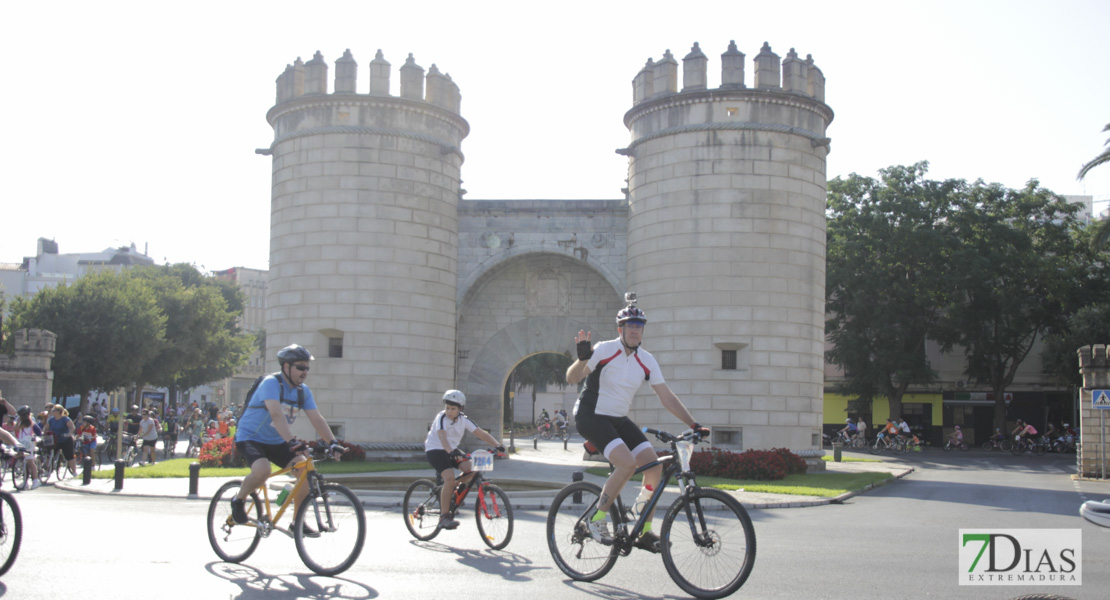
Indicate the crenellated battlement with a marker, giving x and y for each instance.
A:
(771, 73)
(302, 79)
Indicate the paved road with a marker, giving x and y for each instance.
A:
(900, 536)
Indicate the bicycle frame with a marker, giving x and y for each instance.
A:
(269, 519)
(476, 480)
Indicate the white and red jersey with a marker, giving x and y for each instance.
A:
(615, 377)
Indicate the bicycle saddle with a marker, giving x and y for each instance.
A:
(1096, 512)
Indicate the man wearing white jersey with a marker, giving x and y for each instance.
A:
(614, 370)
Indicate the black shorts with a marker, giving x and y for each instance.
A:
(601, 430)
(66, 447)
(279, 454)
(441, 460)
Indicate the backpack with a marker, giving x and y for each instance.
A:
(281, 392)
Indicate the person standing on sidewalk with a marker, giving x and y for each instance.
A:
(614, 370)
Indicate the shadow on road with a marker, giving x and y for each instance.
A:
(257, 584)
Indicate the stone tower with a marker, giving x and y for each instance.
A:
(726, 241)
(364, 240)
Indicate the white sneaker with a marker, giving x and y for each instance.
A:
(36, 484)
(599, 531)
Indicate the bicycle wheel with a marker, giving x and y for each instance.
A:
(421, 509)
(964, 447)
(708, 543)
(232, 542)
(1039, 449)
(61, 467)
(11, 531)
(20, 476)
(45, 466)
(876, 446)
(898, 447)
(1018, 448)
(574, 551)
(337, 517)
(494, 514)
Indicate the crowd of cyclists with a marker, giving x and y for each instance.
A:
(1023, 436)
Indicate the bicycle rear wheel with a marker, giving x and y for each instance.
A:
(233, 542)
(11, 531)
(421, 509)
(339, 526)
(61, 467)
(494, 514)
(708, 543)
(574, 551)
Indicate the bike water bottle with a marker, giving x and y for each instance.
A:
(641, 501)
(284, 493)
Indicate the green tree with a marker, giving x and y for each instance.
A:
(546, 368)
(1016, 278)
(1087, 326)
(885, 283)
(1102, 229)
(108, 326)
(202, 342)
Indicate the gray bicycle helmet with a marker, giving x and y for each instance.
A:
(293, 353)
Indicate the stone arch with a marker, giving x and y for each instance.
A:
(504, 351)
(498, 261)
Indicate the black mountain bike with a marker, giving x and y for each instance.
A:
(11, 521)
(492, 510)
(707, 539)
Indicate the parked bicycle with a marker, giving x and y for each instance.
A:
(492, 510)
(11, 520)
(329, 527)
(707, 538)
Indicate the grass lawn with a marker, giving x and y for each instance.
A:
(179, 467)
(825, 485)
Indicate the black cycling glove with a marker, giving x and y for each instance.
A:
(584, 350)
(295, 445)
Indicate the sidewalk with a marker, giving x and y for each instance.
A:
(549, 466)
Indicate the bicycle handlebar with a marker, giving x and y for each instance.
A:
(689, 435)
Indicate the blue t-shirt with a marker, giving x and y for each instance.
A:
(60, 427)
(256, 426)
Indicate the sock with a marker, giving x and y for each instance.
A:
(646, 528)
(599, 515)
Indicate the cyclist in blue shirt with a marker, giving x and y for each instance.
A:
(265, 432)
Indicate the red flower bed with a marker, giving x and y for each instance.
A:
(220, 453)
(354, 451)
(752, 464)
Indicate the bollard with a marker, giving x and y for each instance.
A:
(512, 440)
(194, 480)
(535, 443)
(86, 470)
(120, 465)
(837, 446)
(577, 496)
(566, 439)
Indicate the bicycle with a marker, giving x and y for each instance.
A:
(707, 538)
(951, 444)
(1023, 445)
(79, 456)
(996, 444)
(887, 442)
(850, 441)
(11, 520)
(493, 512)
(332, 509)
(169, 445)
(16, 457)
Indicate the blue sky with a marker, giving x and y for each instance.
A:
(136, 122)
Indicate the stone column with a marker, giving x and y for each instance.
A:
(1094, 443)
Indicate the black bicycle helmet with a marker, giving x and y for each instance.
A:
(88, 419)
(293, 353)
(631, 313)
(23, 410)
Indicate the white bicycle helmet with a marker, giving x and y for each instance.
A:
(455, 397)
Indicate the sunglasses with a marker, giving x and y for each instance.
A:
(302, 368)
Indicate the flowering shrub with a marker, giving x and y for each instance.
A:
(354, 451)
(220, 453)
(752, 464)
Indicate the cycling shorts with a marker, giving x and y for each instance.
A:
(279, 454)
(441, 460)
(607, 432)
(66, 446)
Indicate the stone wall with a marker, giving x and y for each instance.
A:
(27, 378)
(1093, 422)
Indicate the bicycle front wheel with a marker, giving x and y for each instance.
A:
(876, 446)
(898, 447)
(494, 514)
(231, 541)
(11, 531)
(574, 551)
(330, 529)
(45, 466)
(19, 473)
(421, 509)
(708, 543)
(61, 467)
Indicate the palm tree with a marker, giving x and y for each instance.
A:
(1098, 160)
(1102, 230)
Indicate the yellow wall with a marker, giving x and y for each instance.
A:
(836, 405)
